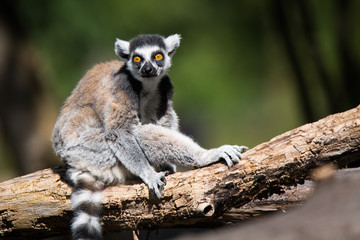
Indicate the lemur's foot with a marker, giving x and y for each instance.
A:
(230, 153)
(155, 183)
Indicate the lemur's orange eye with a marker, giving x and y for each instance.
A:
(137, 59)
(159, 56)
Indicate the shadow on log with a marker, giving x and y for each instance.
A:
(38, 204)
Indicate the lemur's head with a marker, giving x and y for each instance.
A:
(148, 56)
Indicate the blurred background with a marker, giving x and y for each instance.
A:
(245, 71)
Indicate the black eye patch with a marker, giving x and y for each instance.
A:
(137, 59)
(156, 53)
(159, 57)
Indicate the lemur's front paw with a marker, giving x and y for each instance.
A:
(155, 183)
(231, 154)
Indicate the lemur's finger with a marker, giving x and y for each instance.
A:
(241, 148)
(227, 159)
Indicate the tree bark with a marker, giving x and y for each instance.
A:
(332, 213)
(39, 203)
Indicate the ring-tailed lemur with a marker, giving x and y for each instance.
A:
(119, 124)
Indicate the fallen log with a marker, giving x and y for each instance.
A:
(38, 204)
(332, 213)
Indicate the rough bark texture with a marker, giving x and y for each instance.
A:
(39, 203)
(333, 213)
(293, 196)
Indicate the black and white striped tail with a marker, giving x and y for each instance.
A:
(86, 202)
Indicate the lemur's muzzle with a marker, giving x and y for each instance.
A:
(148, 70)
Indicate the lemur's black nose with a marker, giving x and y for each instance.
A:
(148, 70)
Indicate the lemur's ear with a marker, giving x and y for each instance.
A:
(122, 49)
(172, 42)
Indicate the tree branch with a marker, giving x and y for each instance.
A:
(332, 213)
(39, 203)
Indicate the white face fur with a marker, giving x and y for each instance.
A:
(148, 63)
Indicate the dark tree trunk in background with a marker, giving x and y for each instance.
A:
(27, 112)
(279, 14)
(315, 81)
(350, 68)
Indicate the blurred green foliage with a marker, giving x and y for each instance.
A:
(233, 80)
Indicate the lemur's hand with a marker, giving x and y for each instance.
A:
(231, 154)
(155, 183)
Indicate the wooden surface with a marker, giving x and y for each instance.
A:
(39, 203)
(332, 213)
